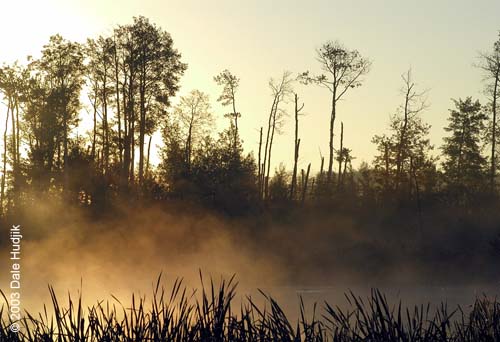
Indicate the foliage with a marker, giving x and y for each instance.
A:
(464, 165)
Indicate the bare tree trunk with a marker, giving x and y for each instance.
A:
(149, 152)
(332, 126)
(296, 149)
(65, 139)
(94, 134)
(402, 139)
(131, 132)
(132, 147)
(235, 114)
(341, 155)
(12, 100)
(4, 169)
(494, 130)
(280, 91)
(129, 118)
(293, 186)
(17, 154)
(302, 181)
(313, 183)
(189, 142)
(269, 155)
(118, 112)
(18, 131)
(126, 138)
(13, 137)
(386, 158)
(260, 169)
(343, 173)
(306, 180)
(267, 147)
(401, 146)
(105, 122)
(142, 121)
(262, 176)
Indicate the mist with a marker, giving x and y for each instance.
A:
(316, 256)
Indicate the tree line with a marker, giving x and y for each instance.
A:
(125, 83)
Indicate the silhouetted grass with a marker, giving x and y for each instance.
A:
(211, 316)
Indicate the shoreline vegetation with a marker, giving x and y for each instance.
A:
(125, 83)
(211, 315)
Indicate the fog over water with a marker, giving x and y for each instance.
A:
(124, 254)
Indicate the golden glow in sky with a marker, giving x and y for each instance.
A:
(256, 40)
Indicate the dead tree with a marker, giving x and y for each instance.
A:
(490, 64)
(305, 180)
(260, 166)
(297, 147)
(280, 92)
(343, 69)
(149, 153)
(341, 155)
(414, 103)
(4, 169)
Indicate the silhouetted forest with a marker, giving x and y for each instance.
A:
(126, 82)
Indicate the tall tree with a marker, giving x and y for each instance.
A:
(414, 103)
(42, 130)
(99, 75)
(4, 160)
(173, 166)
(293, 185)
(340, 155)
(343, 69)
(147, 68)
(62, 67)
(464, 165)
(230, 84)
(116, 61)
(260, 168)
(281, 91)
(384, 161)
(490, 64)
(124, 59)
(405, 152)
(159, 69)
(195, 118)
(12, 86)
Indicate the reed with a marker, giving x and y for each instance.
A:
(210, 314)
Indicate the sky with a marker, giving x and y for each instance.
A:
(256, 40)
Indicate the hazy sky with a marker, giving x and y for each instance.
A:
(256, 40)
